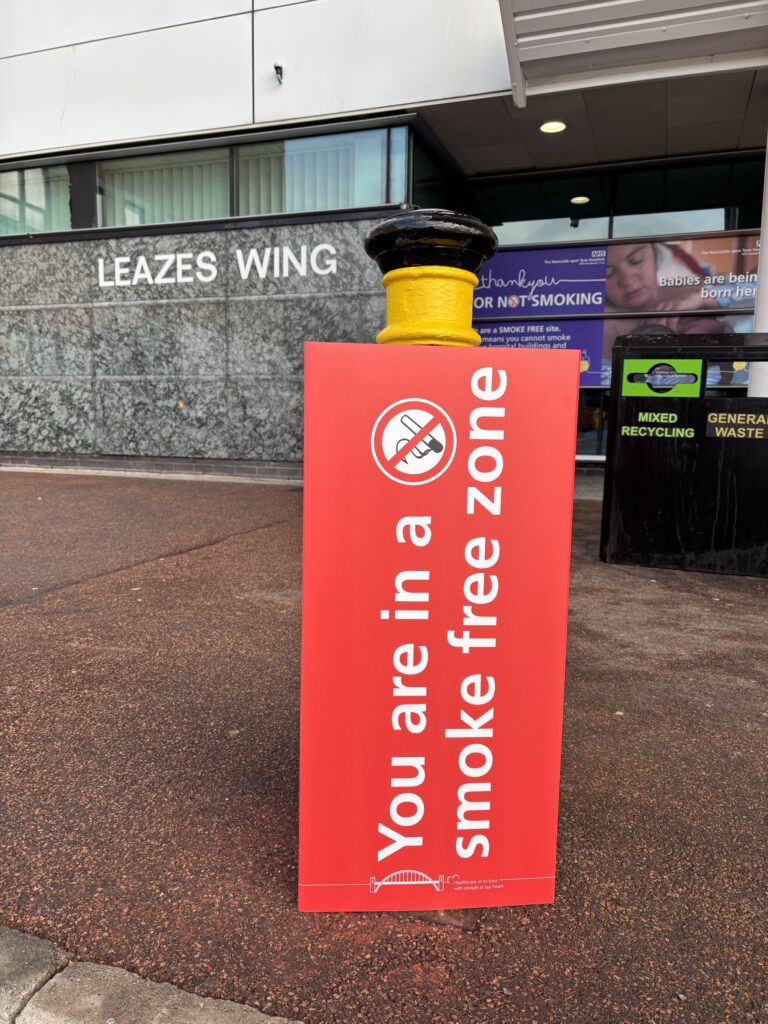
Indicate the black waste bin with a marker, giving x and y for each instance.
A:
(686, 483)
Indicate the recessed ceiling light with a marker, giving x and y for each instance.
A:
(579, 200)
(552, 127)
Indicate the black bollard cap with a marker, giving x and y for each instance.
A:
(430, 238)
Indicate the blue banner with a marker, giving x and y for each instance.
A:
(586, 335)
(528, 298)
(538, 282)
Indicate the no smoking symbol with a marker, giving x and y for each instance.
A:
(413, 441)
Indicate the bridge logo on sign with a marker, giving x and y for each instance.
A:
(407, 878)
(413, 441)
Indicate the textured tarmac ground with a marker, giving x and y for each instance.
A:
(149, 637)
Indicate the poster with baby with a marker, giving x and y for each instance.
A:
(585, 297)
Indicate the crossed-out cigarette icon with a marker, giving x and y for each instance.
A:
(427, 444)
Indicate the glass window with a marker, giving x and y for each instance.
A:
(170, 187)
(527, 212)
(681, 198)
(674, 222)
(36, 199)
(398, 165)
(687, 198)
(558, 229)
(432, 186)
(323, 172)
(745, 192)
(593, 413)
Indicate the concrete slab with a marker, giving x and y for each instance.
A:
(26, 963)
(93, 994)
(589, 486)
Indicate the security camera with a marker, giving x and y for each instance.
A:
(574, 222)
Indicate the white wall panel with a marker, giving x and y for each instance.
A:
(342, 56)
(30, 25)
(262, 5)
(178, 80)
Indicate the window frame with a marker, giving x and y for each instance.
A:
(84, 199)
(612, 173)
(24, 204)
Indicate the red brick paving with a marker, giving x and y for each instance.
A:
(149, 635)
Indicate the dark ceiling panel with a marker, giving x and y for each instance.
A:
(703, 137)
(755, 126)
(708, 99)
(622, 108)
(494, 159)
(642, 143)
(629, 121)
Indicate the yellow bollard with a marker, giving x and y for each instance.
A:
(429, 259)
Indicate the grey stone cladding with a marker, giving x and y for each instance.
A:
(176, 345)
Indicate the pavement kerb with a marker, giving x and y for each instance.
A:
(26, 965)
(216, 478)
(41, 984)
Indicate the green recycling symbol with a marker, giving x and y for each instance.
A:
(662, 378)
